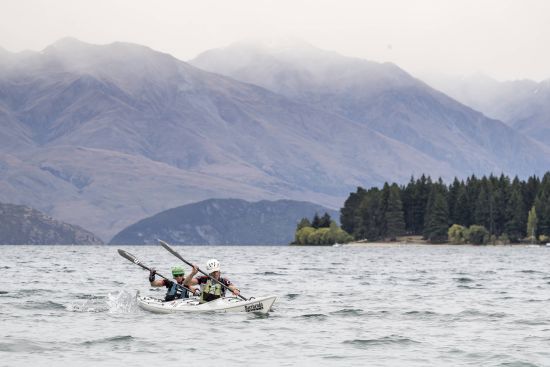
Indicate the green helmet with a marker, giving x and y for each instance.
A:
(177, 270)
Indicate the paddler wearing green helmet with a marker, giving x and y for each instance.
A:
(175, 288)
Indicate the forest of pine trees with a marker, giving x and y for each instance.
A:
(483, 209)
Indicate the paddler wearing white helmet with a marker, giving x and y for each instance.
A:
(211, 290)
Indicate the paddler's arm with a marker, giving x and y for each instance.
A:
(155, 282)
(234, 289)
(189, 280)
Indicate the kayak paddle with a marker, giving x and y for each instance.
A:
(136, 261)
(174, 252)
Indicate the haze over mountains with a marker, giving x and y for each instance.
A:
(384, 98)
(522, 104)
(102, 136)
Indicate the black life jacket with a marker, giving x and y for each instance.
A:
(175, 292)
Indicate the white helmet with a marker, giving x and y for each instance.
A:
(212, 265)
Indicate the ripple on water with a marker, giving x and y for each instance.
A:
(517, 364)
(48, 305)
(318, 316)
(383, 341)
(118, 338)
(24, 346)
(348, 312)
(530, 271)
(420, 314)
(292, 296)
(464, 280)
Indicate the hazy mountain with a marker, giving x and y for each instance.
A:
(103, 136)
(21, 225)
(224, 222)
(522, 104)
(386, 99)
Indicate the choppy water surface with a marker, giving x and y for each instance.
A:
(378, 306)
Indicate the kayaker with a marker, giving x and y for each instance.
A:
(211, 290)
(174, 292)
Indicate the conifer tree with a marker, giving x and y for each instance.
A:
(532, 225)
(437, 216)
(316, 222)
(542, 204)
(407, 198)
(304, 222)
(349, 214)
(325, 220)
(462, 214)
(395, 223)
(515, 225)
(371, 215)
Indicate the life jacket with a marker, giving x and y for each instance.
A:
(175, 292)
(211, 291)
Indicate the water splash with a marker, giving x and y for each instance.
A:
(122, 302)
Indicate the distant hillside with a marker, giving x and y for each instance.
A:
(224, 222)
(21, 225)
(103, 136)
(386, 99)
(522, 104)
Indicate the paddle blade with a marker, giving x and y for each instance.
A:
(131, 258)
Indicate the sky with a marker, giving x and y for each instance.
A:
(503, 39)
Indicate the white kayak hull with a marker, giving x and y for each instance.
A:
(225, 304)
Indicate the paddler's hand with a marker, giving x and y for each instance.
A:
(152, 273)
(236, 291)
(195, 270)
(197, 292)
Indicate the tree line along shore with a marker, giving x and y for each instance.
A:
(491, 209)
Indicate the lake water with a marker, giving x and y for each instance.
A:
(408, 305)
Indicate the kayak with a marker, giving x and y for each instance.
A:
(224, 304)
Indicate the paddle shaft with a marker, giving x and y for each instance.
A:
(176, 254)
(136, 261)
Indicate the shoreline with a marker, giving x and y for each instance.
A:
(410, 243)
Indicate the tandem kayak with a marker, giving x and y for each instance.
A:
(225, 304)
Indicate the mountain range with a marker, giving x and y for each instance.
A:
(522, 104)
(223, 222)
(103, 136)
(384, 98)
(21, 225)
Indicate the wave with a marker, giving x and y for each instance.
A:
(47, 305)
(313, 315)
(386, 340)
(530, 271)
(112, 339)
(24, 346)
(420, 313)
(348, 312)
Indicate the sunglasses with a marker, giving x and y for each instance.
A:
(178, 275)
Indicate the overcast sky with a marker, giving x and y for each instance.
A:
(503, 39)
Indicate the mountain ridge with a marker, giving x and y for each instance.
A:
(115, 133)
(223, 222)
(21, 225)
